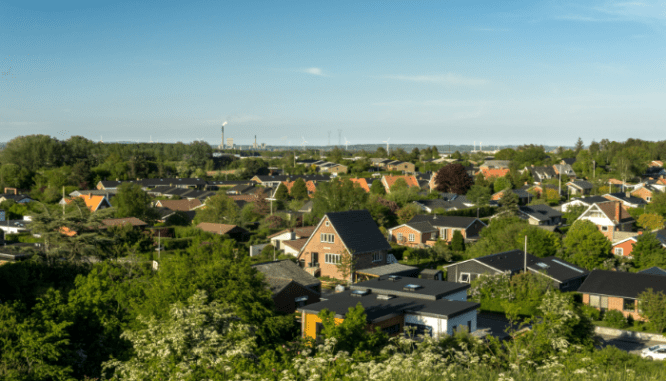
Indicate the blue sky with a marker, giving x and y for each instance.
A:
(428, 72)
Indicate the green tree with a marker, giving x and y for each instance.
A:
(579, 146)
(219, 209)
(132, 201)
(652, 307)
(650, 221)
(377, 188)
(347, 266)
(407, 212)
(502, 183)
(457, 242)
(182, 345)
(282, 193)
(299, 190)
(479, 195)
(505, 154)
(337, 196)
(508, 203)
(499, 236)
(351, 334)
(540, 242)
(586, 245)
(648, 251)
(658, 204)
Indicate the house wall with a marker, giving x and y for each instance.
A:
(285, 300)
(277, 240)
(290, 251)
(617, 304)
(400, 319)
(459, 321)
(338, 169)
(437, 325)
(627, 247)
(461, 296)
(643, 193)
(419, 238)
(474, 230)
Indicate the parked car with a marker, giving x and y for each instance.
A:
(658, 352)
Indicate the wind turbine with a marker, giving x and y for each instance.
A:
(387, 147)
(346, 144)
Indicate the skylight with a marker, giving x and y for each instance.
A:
(542, 265)
(567, 265)
(411, 287)
(360, 293)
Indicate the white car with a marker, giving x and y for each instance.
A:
(658, 352)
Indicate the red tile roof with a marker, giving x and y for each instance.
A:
(180, 205)
(410, 180)
(363, 183)
(494, 172)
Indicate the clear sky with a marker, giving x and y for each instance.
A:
(433, 72)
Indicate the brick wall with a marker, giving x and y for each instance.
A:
(626, 247)
(406, 231)
(617, 304)
(642, 193)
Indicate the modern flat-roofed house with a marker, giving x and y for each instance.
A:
(610, 217)
(540, 214)
(341, 233)
(291, 286)
(619, 291)
(564, 275)
(394, 304)
(425, 229)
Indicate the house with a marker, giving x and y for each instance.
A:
(568, 161)
(306, 208)
(333, 168)
(540, 214)
(564, 169)
(619, 291)
(354, 233)
(395, 304)
(424, 229)
(580, 187)
(627, 200)
(388, 181)
(16, 226)
(365, 184)
(17, 198)
(273, 181)
(233, 231)
(539, 189)
(310, 185)
(294, 246)
(495, 164)
(179, 205)
(524, 197)
(93, 202)
(584, 202)
(654, 270)
(240, 189)
(432, 274)
(564, 275)
(541, 174)
(403, 166)
(493, 173)
(624, 247)
(392, 269)
(646, 192)
(610, 217)
(133, 221)
(152, 183)
(289, 235)
(165, 214)
(292, 287)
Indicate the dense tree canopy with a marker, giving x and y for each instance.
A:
(453, 178)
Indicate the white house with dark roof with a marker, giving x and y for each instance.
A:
(610, 217)
(540, 214)
(583, 201)
(580, 187)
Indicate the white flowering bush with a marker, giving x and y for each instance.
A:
(194, 337)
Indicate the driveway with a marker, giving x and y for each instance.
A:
(634, 347)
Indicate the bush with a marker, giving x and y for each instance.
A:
(615, 319)
(591, 312)
(176, 243)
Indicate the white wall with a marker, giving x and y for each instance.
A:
(461, 320)
(438, 326)
(277, 240)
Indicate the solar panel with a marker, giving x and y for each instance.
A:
(567, 265)
(542, 265)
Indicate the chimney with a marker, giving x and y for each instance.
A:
(618, 209)
(628, 194)
(89, 196)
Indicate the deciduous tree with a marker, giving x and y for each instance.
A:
(586, 245)
(652, 307)
(453, 178)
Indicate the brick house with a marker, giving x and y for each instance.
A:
(424, 229)
(524, 197)
(564, 275)
(352, 232)
(619, 291)
(580, 187)
(610, 217)
(401, 166)
(540, 214)
(291, 286)
(429, 307)
(646, 192)
(624, 247)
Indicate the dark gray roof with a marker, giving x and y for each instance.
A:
(540, 173)
(630, 199)
(582, 184)
(287, 270)
(443, 221)
(540, 212)
(378, 308)
(654, 271)
(15, 197)
(569, 160)
(358, 231)
(513, 261)
(452, 197)
(391, 269)
(443, 204)
(430, 289)
(421, 226)
(592, 200)
(621, 284)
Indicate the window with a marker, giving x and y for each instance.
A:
(392, 329)
(464, 278)
(399, 236)
(619, 251)
(443, 234)
(604, 302)
(604, 228)
(594, 301)
(301, 301)
(411, 237)
(327, 223)
(319, 327)
(629, 305)
(649, 199)
(330, 238)
(377, 257)
(332, 258)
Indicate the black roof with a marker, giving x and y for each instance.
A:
(443, 204)
(421, 226)
(294, 177)
(621, 284)
(430, 289)
(541, 212)
(378, 308)
(654, 270)
(286, 270)
(569, 160)
(166, 181)
(443, 221)
(391, 269)
(629, 199)
(15, 197)
(582, 184)
(514, 260)
(358, 231)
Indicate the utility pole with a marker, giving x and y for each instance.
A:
(525, 255)
(159, 243)
(63, 200)
(559, 186)
(594, 169)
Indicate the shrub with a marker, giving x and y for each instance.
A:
(615, 319)
(591, 312)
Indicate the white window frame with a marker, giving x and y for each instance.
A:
(462, 275)
(327, 223)
(619, 251)
(327, 237)
(412, 237)
(377, 257)
(399, 237)
(648, 199)
(604, 228)
(332, 259)
(597, 302)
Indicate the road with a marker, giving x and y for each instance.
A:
(634, 347)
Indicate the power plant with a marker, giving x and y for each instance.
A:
(222, 141)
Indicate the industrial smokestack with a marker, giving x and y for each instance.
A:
(224, 124)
